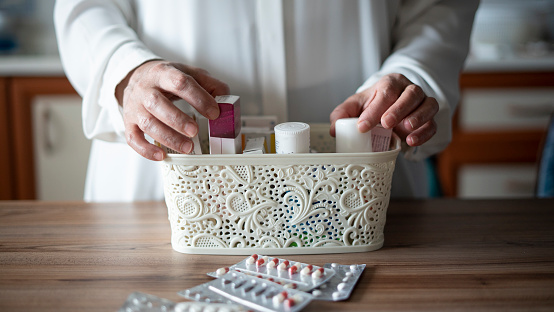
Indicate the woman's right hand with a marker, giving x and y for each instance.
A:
(147, 95)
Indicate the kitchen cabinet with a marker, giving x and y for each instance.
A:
(17, 95)
(497, 133)
(61, 150)
(6, 191)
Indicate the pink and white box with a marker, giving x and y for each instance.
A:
(225, 130)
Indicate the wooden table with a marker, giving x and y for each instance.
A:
(439, 255)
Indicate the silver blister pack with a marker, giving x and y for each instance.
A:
(208, 307)
(341, 285)
(291, 274)
(141, 302)
(249, 291)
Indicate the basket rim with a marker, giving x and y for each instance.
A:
(288, 159)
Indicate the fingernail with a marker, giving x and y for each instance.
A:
(158, 156)
(213, 112)
(186, 147)
(389, 121)
(412, 122)
(364, 126)
(190, 130)
(413, 141)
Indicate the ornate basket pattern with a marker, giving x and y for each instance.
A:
(278, 204)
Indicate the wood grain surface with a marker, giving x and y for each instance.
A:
(439, 255)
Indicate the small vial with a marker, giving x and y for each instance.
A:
(292, 138)
(349, 138)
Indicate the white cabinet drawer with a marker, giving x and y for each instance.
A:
(506, 109)
(497, 181)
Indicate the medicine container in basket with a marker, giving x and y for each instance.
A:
(279, 204)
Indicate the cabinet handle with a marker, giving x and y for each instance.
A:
(530, 111)
(49, 131)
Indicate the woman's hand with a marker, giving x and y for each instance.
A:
(395, 102)
(147, 95)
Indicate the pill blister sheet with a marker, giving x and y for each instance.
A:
(341, 285)
(304, 277)
(141, 302)
(250, 291)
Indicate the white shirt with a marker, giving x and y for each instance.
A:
(294, 59)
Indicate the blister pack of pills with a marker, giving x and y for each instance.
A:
(249, 291)
(291, 274)
(141, 302)
(341, 285)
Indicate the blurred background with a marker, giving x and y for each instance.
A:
(499, 127)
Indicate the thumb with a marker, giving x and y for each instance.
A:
(351, 107)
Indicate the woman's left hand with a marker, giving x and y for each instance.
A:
(395, 102)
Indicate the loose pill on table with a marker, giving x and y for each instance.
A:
(221, 271)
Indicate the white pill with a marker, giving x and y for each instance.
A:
(353, 268)
(317, 293)
(278, 299)
(305, 271)
(336, 294)
(348, 274)
(221, 271)
(297, 298)
(345, 279)
(316, 274)
(334, 265)
(341, 286)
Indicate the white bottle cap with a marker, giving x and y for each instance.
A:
(349, 138)
(292, 137)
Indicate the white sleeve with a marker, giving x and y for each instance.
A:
(98, 48)
(430, 44)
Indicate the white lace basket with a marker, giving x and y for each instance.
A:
(279, 204)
